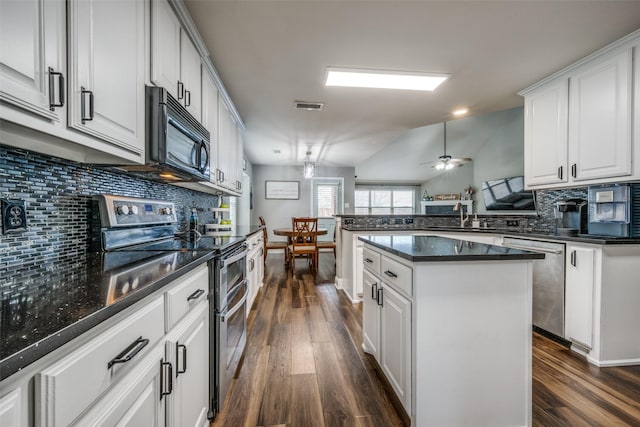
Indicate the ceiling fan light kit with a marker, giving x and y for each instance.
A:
(446, 162)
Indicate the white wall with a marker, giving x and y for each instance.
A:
(278, 213)
(499, 153)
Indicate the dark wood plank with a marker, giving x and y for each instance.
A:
(276, 400)
(306, 405)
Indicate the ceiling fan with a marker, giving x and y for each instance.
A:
(446, 162)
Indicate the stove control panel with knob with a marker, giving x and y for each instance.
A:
(119, 211)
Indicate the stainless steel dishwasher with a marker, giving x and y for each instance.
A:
(548, 283)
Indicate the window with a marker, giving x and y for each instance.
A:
(327, 200)
(384, 201)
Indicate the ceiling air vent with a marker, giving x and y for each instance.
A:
(311, 106)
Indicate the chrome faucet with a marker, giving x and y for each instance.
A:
(459, 206)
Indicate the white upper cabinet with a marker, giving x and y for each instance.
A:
(165, 47)
(210, 120)
(545, 134)
(579, 121)
(600, 119)
(106, 71)
(32, 56)
(175, 62)
(190, 76)
(226, 146)
(239, 158)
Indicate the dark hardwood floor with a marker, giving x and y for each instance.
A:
(304, 366)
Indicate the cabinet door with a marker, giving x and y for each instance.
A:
(32, 40)
(579, 295)
(106, 71)
(239, 158)
(395, 343)
(224, 144)
(600, 119)
(11, 409)
(545, 137)
(165, 47)
(210, 120)
(232, 183)
(190, 76)
(135, 402)
(370, 315)
(188, 351)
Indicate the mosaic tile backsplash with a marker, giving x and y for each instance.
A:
(58, 195)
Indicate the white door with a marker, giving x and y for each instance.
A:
(395, 343)
(579, 295)
(165, 47)
(370, 315)
(106, 71)
(32, 56)
(190, 75)
(545, 140)
(328, 200)
(600, 119)
(189, 354)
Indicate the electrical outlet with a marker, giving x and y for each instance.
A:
(397, 221)
(14, 215)
(513, 223)
(408, 220)
(348, 221)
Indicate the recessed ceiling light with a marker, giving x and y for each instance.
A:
(384, 79)
(461, 112)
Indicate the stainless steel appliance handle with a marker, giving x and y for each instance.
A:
(534, 249)
(231, 311)
(183, 163)
(234, 256)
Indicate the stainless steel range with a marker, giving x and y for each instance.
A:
(148, 227)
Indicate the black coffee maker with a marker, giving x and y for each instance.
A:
(571, 217)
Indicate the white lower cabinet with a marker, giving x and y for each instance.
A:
(11, 409)
(395, 342)
(68, 387)
(370, 315)
(131, 373)
(187, 349)
(386, 321)
(134, 402)
(255, 267)
(579, 295)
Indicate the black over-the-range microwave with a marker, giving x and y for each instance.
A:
(177, 145)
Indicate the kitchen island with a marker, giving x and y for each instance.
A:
(449, 323)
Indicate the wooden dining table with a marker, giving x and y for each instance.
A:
(288, 232)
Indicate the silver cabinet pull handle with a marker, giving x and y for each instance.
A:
(83, 94)
(184, 359)
(379, 297)
(368, 260)
(52, 100)
(165, 391)
(374, 291)
(180, 90)
(391, 274)
(129, 353)
(560, 172)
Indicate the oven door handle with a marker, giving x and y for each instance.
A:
(233, 257)
(228, 312)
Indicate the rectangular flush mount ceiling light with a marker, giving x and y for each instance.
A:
(384, 79)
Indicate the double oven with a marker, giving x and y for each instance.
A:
(147, 228)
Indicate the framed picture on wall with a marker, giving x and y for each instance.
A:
(282, 190)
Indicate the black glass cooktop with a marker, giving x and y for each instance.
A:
(205, 243)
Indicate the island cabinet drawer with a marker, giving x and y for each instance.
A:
(184, 294)
(371, 260)
(397, 275)
(67, 388)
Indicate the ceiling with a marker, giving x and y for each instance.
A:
(272, 53)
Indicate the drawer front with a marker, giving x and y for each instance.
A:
(185, 293)
(371, 261)
(397, 275)
(68, 387)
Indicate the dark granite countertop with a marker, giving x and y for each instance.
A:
(41, 312)
(581, 238)
(435, 249)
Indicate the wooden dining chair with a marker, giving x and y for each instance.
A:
(270, 245)
(304, 241)
(328, 244)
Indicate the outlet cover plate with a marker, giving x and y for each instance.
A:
(14, 215)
